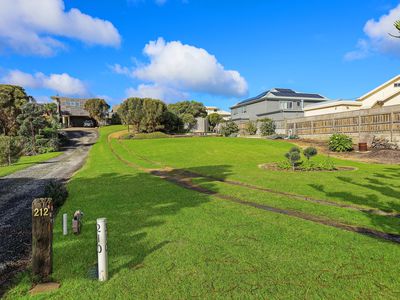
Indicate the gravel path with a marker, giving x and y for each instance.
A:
(17, 191)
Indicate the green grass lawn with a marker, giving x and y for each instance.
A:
(168, 242)
(26, 161)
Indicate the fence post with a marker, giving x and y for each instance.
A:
(312, 127)
(391, 126)
(42, 238)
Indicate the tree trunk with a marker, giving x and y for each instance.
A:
(33, 138)
(9, 151)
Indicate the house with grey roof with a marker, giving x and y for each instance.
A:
(71, 111)
(277, 104)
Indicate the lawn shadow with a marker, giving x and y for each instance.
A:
(134, 204)
(374, 189)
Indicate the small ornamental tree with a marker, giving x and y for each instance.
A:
(310, 152)
(293, 157)
(267, 127)
(97, 109)
(251, 128)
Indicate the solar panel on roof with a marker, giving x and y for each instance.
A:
(285, 90)
(294, 94)
(254, 98)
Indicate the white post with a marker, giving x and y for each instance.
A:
(102, 259)
(65, 224)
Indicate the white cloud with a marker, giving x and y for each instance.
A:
(189, 68)
(32, 27)
(118, 69)
(174, 66)
(156, 92)
(60, 83)
(363, 51)
(377, 37)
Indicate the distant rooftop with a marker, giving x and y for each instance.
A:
(282, 93)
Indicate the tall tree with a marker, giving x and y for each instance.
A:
(31, 121)
(97, 109)
(214, 119)
(153, 113)
(144, 114)
(188, 111)
(196, 109)
(12, 98)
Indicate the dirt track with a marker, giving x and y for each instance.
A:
(19, 189)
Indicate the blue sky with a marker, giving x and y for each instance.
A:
(217, 52)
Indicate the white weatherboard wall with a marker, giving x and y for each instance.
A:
(336, 108)
(385, 93)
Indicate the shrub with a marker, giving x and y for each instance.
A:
(10, 149)
(295, 149)
(267, 127)
(229, 128)
(251, 128)
(293, 157)
(284, 165)
(57, 192)
(310, 166)
(310, 152)
(339, 142)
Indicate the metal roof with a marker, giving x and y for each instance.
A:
(281, 93)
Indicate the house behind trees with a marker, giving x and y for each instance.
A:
(71, 111)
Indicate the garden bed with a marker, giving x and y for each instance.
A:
(275, 167)
(373, 155)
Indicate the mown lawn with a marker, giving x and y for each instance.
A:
(371, 185)
(25, 162)
(168, 242)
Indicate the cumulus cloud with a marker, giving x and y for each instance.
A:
(182, 68)
(377, 37)
(189, 68)
(60, 83)
(32, 27)
(156, 92)
(118, 69)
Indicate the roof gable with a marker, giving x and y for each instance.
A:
(379, 88)
(280, 93)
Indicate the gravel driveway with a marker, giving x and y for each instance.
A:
(17, 191)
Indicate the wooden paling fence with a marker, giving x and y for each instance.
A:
(362, 123)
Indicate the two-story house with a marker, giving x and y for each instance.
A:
(71, 111)
(277, 104)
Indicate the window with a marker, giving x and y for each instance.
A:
(286, 105)
(397, 84)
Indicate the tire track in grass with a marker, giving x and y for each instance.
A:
(180, 179)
